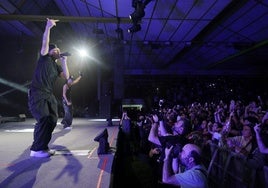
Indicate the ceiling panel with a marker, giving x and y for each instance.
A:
(175, 34)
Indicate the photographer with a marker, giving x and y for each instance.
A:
(158, 133)
(162, 138)
(195, 174)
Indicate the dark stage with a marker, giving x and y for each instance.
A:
(75, 164)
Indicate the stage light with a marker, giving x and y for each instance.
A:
(135, 28)
(83, 53)
(138, 14)
(134, 3)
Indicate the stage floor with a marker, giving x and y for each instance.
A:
(76, 163)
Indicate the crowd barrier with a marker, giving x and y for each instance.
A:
(229, 169)
(225, 168)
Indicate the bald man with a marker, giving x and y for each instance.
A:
(195, 174)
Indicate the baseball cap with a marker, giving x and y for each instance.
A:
(52, 46)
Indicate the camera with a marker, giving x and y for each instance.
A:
(176, 141)
(175, 151)
(177, 144)
(159, 114)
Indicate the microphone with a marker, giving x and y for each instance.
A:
(65, 54)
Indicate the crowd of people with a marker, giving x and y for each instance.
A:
(174, 137)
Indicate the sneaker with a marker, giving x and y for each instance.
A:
(42, 154)
(51, 152)
(67, 128)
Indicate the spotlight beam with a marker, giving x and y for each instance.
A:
(15, 86)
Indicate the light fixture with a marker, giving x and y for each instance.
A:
(138, 14)
(135, 28)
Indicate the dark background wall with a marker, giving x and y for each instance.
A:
(96, 93)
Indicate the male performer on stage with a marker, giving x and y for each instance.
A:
(42, 102)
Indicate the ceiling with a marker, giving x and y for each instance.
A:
(176, 37)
